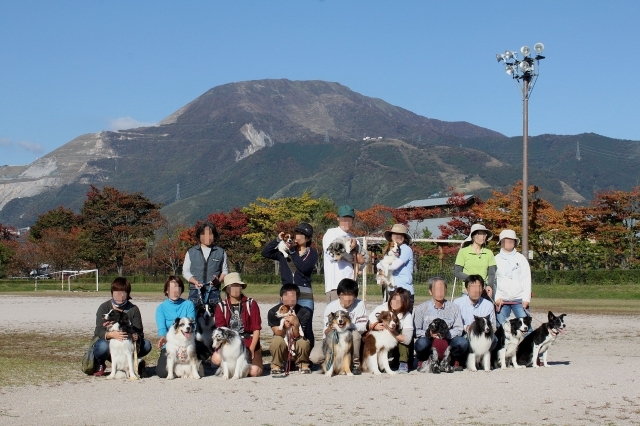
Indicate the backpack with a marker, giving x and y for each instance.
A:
(88, 361)
(223, 307)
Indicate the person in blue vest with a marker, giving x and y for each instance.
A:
(205, 266)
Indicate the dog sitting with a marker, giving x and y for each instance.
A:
(440, 358)
(234, 355)
(204, 329)
(339, 247)
(538, 342)
(337, 346)
(378, 343)
(283, 312)
(122, 351)
(480, 338)
(285, 244)
(384, 277)
(182, 360)
(509, 336)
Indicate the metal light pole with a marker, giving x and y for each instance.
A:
(523, 72)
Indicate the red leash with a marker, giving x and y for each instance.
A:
(290, 347)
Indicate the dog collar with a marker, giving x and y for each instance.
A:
(181, 353)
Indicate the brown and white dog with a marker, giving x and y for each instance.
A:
(378, 343)
(337, 345)
(283, 312)
(182, 360)
(285, 244)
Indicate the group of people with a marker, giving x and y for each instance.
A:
(508, 289)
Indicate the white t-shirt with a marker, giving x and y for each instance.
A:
(335, 271)
(406, 321)
(357, 312)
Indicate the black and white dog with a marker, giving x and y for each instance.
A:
(538, 342)
(182, 360)
(509, 336)
(438, 330)
(234, 355)
(205, 324)
(480, 338)
(339, 247)
(122, 351)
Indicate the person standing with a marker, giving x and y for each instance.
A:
(402, 267)
(303, 261)
(336, 270)
(474, 258)
(513, 279)
(205, 266)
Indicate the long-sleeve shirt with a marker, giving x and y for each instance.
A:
(357, 312)
(303, 265)
(403, 269)
(406, 322)
(169, 310)
(481, 308)
(335, 270)
(513, 277)
(426, 312)
(132, 312)
(186, 266)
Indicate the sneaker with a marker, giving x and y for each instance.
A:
(355, 370)
(101, 369)
(403, 368)
(142, 369)
(457, 366)
(277, 373)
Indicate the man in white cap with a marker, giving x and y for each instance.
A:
(513, 279)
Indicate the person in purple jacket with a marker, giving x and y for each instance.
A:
(303, 260)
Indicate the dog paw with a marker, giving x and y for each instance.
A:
(169, 377)
(517, 366)
(351, 374)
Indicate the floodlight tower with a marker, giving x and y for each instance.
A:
(524, 72)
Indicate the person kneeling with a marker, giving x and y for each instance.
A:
(292, 333)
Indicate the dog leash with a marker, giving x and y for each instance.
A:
(334, 339)
(291, 343)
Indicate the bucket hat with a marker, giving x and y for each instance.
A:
(509, 233)
(398, 228)
(232, 278)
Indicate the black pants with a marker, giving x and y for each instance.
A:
(202, 352)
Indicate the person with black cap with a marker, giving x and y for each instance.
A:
(303, 260)
(336, 270)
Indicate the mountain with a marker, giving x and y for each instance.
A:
(273, 138)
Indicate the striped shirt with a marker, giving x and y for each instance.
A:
(481, 308)
(427, 312)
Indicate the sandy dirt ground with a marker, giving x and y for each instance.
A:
(594, 378)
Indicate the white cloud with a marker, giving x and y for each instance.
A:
(4, 142)
(122, 123)
(34, 148)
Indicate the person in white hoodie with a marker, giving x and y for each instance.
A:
(513, 279)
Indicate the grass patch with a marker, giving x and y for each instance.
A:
(577, 291)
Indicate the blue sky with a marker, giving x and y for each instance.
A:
(74, 67)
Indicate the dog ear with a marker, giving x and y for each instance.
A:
(551, 316)
(176, 323)
(562, 316)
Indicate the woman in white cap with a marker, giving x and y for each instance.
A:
(513, 292)
(242, 314)
(402, 267)
(476, 259)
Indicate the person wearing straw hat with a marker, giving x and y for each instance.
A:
(474, 258)
(242, 314)
(336, 270)
(402, 267)
(513, 279)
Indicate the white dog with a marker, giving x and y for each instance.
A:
(182, 360)
(233, 353)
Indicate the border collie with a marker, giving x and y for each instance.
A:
(538, 342)
(234, 355)
(205, 324)
(437, 362)
(122, 351)
(182, 360)
(285, 245)
(337, 345)
(378, 343)
(480, 338)
(283, 312)
(339, 247)
(509, 336)
(384, 277)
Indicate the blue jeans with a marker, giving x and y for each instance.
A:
(459, 348)
(101, 350)
(307, 303)
(505, 312)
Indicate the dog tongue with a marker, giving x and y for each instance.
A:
(187, 335)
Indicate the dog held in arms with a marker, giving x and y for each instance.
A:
(384, 277)
(538, 342)
(285, 244)
(480, 338)
(182, 360)
(234, 355)
(378, 343)
(122, 351)
(440, 358)
(509, 336)
(339, 247)
(337, 345)
(283, 312)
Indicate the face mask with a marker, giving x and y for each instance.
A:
(113, 302)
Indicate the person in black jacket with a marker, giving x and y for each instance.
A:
(303, 260)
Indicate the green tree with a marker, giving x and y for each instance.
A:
(59, 218)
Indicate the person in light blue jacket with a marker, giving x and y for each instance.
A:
(403, 266)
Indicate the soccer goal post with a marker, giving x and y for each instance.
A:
(73, 274)
(365, 244)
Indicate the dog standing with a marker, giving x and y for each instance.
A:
(234, 355)
(182, 360)
(204, 329)
(122, 351)
(285, 244)
(538, 342)
(384, 277)
(378, 343)
(480, 338)
(337, 346)
(509, 336)
(440, 358)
